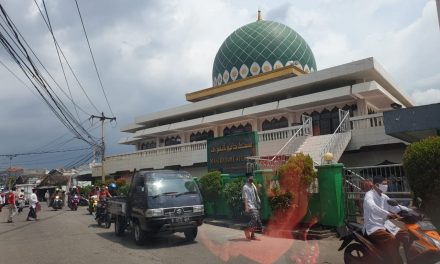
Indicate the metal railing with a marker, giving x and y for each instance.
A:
(291, 145)
(340, 137)
(359, 180)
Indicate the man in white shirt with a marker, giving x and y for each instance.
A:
(381, 232)
(251, 206)
(33, 200)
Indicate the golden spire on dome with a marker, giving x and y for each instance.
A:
(259, 18)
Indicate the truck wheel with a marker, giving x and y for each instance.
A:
(119, 226)
(190, 234)
(139, 235)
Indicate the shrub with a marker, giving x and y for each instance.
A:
(298, 171)
(123, 190)
(232, 194)
(86, 190)
(211, 186)
(421, 162)
(280, 201)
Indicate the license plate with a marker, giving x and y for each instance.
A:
(179, 220)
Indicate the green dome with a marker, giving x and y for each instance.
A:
(260, 47)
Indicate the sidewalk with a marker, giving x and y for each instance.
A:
(315, 233)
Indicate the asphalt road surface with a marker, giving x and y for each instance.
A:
(65, 237)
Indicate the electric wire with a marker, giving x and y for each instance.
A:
(56, 48)
(37, 77)
(93, 58)
(67, 62)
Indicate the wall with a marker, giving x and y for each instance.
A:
(371, 157)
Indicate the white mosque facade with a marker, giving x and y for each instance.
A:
(266, 82)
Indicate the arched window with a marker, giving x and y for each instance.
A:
(335, 118)
(325, 124)
(192, 137)
(273, 123)
(248, 128)
(233, 130)
(240, 129)
(210, 134)
(266, 125)
(283, 122)
(198, 136)
(315, 123)
(226, 131)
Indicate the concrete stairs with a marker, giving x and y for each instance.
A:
(313, 146)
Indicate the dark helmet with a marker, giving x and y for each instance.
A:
(112, 186)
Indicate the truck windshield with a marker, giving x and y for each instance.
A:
(170, 184)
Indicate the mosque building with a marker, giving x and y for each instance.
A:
(269, 99)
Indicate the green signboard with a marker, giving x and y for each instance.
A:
(228, 154)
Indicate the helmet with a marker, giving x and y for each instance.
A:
(112, 186)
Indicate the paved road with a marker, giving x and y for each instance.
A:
(74, 237)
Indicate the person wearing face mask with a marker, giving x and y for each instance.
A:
(380, 231)
(252, 207)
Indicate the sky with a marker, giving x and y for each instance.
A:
(150, 53)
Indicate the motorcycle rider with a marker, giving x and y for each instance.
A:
(103, 195)
(380, 231)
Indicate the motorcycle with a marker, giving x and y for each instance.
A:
(73, 202)
(57, 203)
(102, 215)
(93, 203)
(424, 245)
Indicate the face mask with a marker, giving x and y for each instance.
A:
(383, 187)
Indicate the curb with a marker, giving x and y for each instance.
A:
(227, 224)
(313, 234)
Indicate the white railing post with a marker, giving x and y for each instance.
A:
(334, 145)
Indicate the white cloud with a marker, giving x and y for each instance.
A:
(150, 53)
(429, 96)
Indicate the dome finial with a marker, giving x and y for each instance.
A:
(259, 18)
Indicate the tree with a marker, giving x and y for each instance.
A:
(421, 162)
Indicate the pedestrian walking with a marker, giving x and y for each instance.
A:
(252, 207)
(11, 204)
(21, 201)
(47, 196)
(33, 204)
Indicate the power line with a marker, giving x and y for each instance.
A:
(32, 73)
(67, 62)
(56, 47)
(42, 152)
(93, 58)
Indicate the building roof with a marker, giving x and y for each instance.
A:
(260, 47)
(414, 123)
(345, 75)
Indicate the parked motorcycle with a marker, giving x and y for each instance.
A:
(57, 203)
(424, 244)
(102, 216)
(73, 202)
(93, 203)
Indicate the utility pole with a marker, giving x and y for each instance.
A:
(102, 118)
(10, 169)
